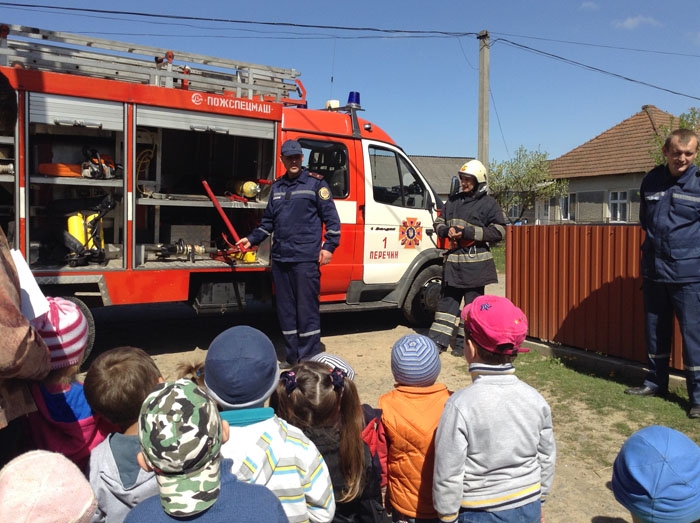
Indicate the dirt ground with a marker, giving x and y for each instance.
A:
(581, 490)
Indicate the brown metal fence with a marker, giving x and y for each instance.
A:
(580, 286)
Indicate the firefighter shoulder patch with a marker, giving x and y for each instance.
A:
(324, 193)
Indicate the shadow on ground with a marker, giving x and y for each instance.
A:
(176, 327)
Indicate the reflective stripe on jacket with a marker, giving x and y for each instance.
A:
(484, 222)
(296, 212)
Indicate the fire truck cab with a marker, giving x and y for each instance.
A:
(132, 172)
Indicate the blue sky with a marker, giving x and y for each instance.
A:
(424, 90)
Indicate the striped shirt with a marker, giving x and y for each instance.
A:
(279, 456)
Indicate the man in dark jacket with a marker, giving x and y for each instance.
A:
(300, 204)
(669, 212)
(472, 220)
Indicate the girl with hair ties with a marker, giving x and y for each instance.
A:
(325, 405)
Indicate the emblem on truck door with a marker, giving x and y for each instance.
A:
(410, 233)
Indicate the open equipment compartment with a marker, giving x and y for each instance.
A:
(76, 182)
(176, 150)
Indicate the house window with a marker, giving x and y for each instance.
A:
(542, 210)
(618, 206)
(514, 212)
(568, 207)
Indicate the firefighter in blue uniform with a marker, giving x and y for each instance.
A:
(300, 204)
(670, 214)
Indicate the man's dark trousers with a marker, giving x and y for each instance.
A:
(297, 289)
(661, 300)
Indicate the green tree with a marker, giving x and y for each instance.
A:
(524, 180)
(689, 120)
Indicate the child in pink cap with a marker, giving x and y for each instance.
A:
(64, 421)
(494, 446)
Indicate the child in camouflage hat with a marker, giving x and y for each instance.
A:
(181, 434)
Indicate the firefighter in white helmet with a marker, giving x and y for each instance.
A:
(472, 220)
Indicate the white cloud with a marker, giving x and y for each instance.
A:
(633, 22)
(589, 6)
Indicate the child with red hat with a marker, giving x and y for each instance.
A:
(64, 421)
(494, 446)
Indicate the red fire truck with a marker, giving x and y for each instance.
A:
(132, 171)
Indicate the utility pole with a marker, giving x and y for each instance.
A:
(483, 120)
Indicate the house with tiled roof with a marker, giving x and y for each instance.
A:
(439, 171)
(605, 173)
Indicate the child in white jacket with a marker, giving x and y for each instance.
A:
(494, 447)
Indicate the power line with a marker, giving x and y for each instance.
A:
(277, 35)
(592, 68)
(464, 54)
(602, 46)
(234, 21)
(396, 33)
(498, 119)
(155, 17)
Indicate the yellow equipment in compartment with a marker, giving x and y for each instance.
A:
(247, 189)
(246, 257)
(79, 228)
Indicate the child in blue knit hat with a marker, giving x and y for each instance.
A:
(656, 476)
(240, 373)
(410, 415)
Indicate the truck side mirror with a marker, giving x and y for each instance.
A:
(455, 186)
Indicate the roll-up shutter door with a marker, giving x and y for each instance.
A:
(192, 121)
(82, 112)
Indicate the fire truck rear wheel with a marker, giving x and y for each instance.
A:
(423, 296)
(91, 325)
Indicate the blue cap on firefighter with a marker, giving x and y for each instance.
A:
(291, 148)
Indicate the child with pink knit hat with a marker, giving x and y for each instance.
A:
(44, 487)
(64, 421)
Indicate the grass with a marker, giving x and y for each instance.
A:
(592, 415)
(499, 256)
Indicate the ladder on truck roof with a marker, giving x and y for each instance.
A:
(32, 48)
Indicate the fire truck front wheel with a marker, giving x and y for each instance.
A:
(423, 296)
(91, 325)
